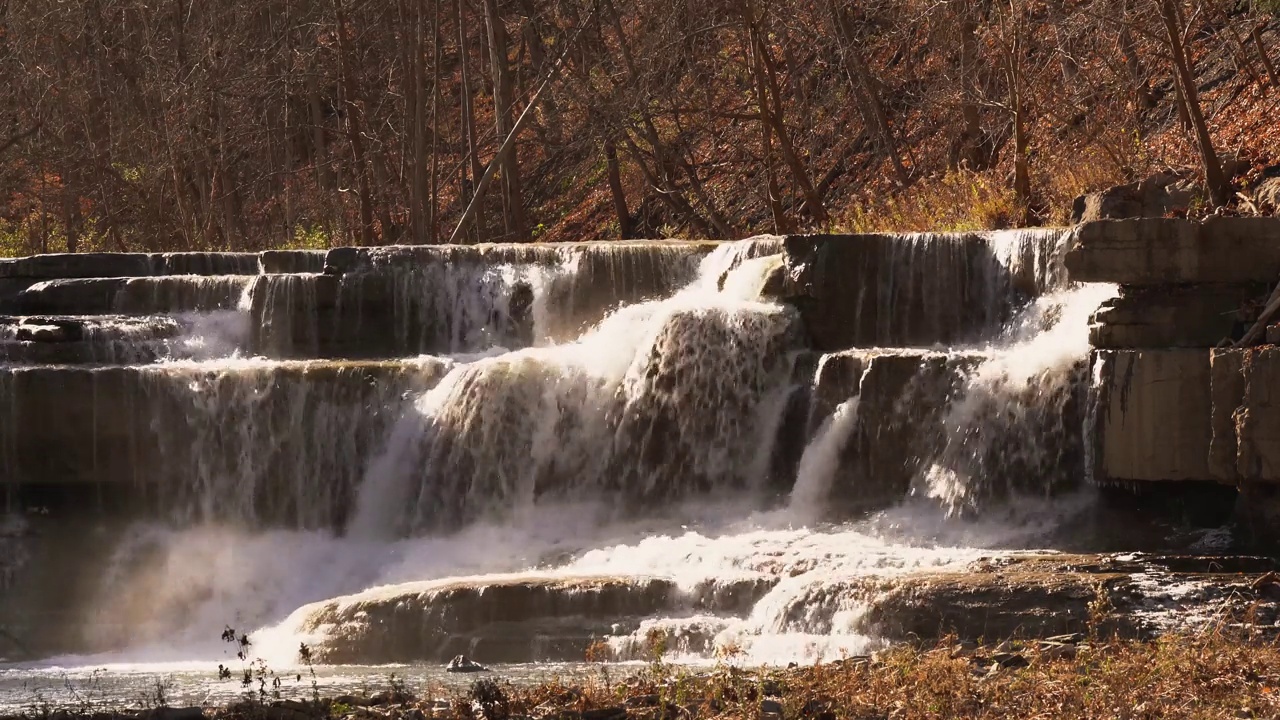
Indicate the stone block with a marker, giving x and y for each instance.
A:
(901, 397)
(1226, 394)
(1181, 316)
(1257, 419)
(1158, 251)
(1153, 415)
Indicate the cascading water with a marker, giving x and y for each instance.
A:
(1013, 414)
(635, 465)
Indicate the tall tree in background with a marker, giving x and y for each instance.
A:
(503, 106)
(1214, 179)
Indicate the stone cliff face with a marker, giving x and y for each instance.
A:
(1180, 400)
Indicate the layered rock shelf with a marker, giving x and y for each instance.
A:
(1179, 398)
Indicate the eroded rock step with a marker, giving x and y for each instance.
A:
(281, 443)
(853, 291)
(106, 265)
(512, 619)
(133, 295)
(1179, 316)
(104, 339)
(522, 619)
(1044, 595)
(922, 289)
(903, 426)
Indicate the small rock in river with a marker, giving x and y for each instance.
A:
(461, 664)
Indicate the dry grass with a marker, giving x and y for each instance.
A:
(960, 201)
(966, 201)
(1203, 676)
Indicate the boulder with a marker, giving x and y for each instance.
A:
(1158, 251)
(1160, 195)
(1266, 193)
(463, 664)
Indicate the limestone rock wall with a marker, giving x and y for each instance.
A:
(1176, 400)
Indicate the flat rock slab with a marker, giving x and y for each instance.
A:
(1159, 251)
(505, 618)
(1046, 595)
(104, 265)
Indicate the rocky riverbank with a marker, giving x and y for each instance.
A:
(1228, 671)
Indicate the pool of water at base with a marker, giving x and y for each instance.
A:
(37, 690)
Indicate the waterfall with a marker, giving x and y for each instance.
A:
(1014, 415)
(820, 460)
(661, 400)
(535, 446)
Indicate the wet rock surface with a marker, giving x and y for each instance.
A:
(1135, 594)
(1153, 418)
(58, 340)
(910, 290)
(495, 621)
(116, 265)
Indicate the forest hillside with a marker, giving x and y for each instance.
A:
(248, 124)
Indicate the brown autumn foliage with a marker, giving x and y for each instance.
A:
(182, 125)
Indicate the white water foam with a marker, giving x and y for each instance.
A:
(1026, 378)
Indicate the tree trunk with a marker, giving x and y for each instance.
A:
(771, 110)
(869, 105)
(417, 102)
(503, 100)
(1256, 35)
(1129, 50)
(433, 212)
(1021, 144)
(469, 128)
(967, 151)
(1213, 177)
(354, 134)
(766, 146)
(620, 210)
